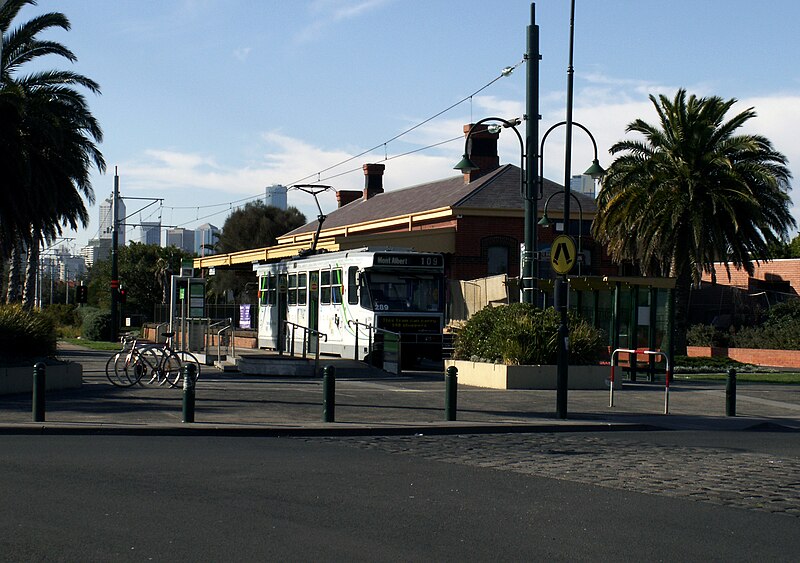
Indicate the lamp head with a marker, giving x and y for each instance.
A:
(544, 221)
(465, 165)
(595, 170)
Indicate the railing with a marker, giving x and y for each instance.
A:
(371, 348)
(232, 343)
(632, 358)
(306, 333)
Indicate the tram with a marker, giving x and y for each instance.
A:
(344, 296)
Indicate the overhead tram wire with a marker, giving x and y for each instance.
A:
(230, 205)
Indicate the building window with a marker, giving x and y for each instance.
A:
(497, 260)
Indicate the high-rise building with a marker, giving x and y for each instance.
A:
(276, 196)
(106, 221)
(181, 238)
(582, 184)
(96, 250)
(205, 237)
(151, 232)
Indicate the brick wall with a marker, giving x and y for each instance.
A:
(772, 358)
(787, 270)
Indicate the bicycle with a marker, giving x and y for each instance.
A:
(149, 364)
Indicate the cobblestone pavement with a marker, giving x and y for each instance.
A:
(723, 476)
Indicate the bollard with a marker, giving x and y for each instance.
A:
(39, 380)
(328, 393)
(450, 393)
(730, 393)
(189, 370)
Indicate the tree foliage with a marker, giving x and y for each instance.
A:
(691, 192)
(144, 273)
(255, 225)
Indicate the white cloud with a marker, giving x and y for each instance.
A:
(242, 53)
(330, 12)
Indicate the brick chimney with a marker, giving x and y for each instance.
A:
(373, 180)
(483, 151)
(343, 197)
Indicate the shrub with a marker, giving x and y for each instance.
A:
(65, 318)
(25, 334)
(96, 325)
(522, 334)
(706, 335)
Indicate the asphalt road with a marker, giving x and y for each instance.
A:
(437, 498)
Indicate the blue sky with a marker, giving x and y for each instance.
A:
(206, 102)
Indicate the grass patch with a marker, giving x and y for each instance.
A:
(758, 377)
(94, 344)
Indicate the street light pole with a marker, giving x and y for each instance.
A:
(561, 286)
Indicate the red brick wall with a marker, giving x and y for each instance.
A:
(777, 270)
(773, 358)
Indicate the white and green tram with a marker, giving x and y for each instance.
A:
(344, 296)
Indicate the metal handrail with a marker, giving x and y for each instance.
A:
(219, 336)
(306, 332)
(370, 329)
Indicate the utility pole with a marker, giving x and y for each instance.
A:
(114, 259)
(530, 257)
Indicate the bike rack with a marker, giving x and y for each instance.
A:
(632, 354)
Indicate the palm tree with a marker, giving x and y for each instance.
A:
(52, 139)
(691, 193)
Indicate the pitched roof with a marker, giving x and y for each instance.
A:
(499, 189)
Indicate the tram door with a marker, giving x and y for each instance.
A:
(283, 307)
(313, 309)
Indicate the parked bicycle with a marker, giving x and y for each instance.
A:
(149, 363)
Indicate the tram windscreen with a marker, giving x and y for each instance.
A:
(421, 293)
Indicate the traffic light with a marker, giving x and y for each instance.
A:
(122, 295)
(81, 294)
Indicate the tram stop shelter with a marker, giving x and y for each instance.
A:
(637, 313)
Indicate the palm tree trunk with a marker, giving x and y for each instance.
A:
(683, 288)
(14, 266)
(31, 270)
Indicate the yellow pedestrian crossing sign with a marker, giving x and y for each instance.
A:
(563, 254)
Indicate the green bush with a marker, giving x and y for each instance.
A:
(707, 335)
(522, 334)
(96, 325)
(65, 318)
(25, 334)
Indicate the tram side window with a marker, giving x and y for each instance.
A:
(292, 291)
(325, 287)
(268, 290)
(336, 286)
(302, 284)
(352, 285)
(262, 291)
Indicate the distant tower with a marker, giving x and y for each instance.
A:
(205, 237)
(151, 232)
(181, 238)
(106, 221)
(276, 196)
(583, 184)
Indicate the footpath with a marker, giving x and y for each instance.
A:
(382, 404)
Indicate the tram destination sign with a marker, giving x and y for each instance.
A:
(409, 260)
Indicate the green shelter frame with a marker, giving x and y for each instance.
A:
(635, 313)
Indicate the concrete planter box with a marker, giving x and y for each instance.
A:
(20, 379)
(499, 376)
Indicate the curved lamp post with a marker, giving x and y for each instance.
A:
(466, 165)
(545, 222)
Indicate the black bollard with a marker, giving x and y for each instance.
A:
(39, 381)
(730, 393)
(450, 393)
(328, 393)
(189, 372)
